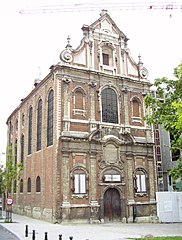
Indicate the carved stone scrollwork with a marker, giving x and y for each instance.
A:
(92, 84)
(66, 80)
(66, 56)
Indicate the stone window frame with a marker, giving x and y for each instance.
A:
(133, 117)
(79, 171)
(79, 111)
(140, 192)
(38, 184)
(111, 172)
(108, 48)
(117, 102)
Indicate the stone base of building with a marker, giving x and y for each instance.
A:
(144, 219)
(45, 214)
(82, 214)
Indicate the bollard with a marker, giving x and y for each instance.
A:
(46, 237)
(33, 235)
(71, 238)
(60, 237)
(26, 230)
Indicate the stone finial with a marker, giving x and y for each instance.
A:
(139, 62)
(68, 46)
(104, 11)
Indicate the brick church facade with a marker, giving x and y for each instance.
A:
(86, 152)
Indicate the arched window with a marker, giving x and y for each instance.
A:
(79, 181)
(50, 118)
(30, 131)
(21, 186)
(140, 181)
(14, 186)
(39, 125)
(16, 126)
(23, 120)
(136, 110)
(78, 99)
(38, 184)
(109, 106)
(16, 151)
(22, 148)
(29, 185)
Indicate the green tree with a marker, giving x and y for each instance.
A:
(12, 172)
(166, 109)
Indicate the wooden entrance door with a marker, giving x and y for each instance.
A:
(112, 205)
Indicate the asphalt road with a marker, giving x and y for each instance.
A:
(5, 235)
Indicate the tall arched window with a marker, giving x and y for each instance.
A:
(22, 148)
(38, 184)
(50, 118)
(39, 124)
(30, 131)
(14, 186)
(29, 185)
(21, 186)
(16, 141)
(109, 106)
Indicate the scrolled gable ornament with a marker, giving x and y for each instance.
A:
(66, 56)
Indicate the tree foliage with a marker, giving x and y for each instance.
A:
(166, 109)
(11, 173)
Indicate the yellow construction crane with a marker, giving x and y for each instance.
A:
(100, 4)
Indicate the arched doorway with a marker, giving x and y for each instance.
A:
(112, 205)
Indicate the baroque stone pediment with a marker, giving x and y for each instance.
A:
(106, 134)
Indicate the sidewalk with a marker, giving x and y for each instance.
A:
(109, 231)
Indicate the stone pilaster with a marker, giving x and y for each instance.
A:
(65, 179)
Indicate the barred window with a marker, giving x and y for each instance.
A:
(30, 131)
(50, 117)
(39, 125)
(109, 106)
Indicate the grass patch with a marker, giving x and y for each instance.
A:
(160, 238)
